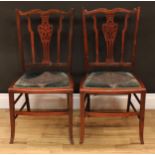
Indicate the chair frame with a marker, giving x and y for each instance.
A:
(46, 62)
(85, 92)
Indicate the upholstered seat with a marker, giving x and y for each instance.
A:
(111, 80)
(43, 80)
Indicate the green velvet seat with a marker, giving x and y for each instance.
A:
(43, 80)
(111, 80)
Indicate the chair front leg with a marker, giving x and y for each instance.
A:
(12, 116)
(70, 114)
(27, 102)
(128, 103)
(141, 120)
(82, 118)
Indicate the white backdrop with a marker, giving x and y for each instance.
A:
(59, 101)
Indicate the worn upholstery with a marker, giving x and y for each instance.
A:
(111, 80)
(44, 79)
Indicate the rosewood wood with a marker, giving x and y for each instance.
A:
(59, 38)
(99, 114)
(110, 32)
(45, 30)
(96, 38)
(31, 39)
(123, 36)
(128, 103)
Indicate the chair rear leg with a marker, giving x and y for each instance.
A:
(12, 116)
(27, 102)
(82, 118)
(141, 120)
(70, 114)
(128, 104)
(88, 102)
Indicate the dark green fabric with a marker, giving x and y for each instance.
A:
(43, 80)
(111, 80)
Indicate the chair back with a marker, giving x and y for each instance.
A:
(111, 35)
(41, 33)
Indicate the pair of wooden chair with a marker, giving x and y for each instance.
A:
(47, 73)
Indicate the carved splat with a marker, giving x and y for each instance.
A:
(45, 32)
(109, 30)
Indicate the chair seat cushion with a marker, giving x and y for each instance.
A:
(111, 80)
(44, 79)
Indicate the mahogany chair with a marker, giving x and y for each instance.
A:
(112, 31)
(47, 74)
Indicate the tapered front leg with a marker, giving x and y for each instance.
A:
(141, 120)
(70, 114)
(82, 118)
(12, 116)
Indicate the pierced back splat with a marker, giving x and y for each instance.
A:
(45, 32)
(109, 30)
